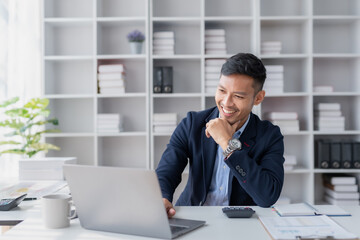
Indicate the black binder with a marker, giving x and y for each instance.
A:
(167, 80)
(356, 154)
(335, 154)
(322, 154)
(346, 154)
(157, 79)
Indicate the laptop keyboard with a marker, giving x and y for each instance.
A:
(176, 229)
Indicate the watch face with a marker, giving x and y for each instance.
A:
(235, 143)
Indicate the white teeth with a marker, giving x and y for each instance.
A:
(227, 112)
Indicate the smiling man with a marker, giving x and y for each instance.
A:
(234, 157)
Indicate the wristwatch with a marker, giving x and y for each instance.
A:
(233, 144)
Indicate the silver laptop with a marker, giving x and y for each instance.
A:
(123, 200)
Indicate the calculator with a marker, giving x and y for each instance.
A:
(8, 203)
(238, 212)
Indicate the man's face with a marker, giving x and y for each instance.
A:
(235, 97)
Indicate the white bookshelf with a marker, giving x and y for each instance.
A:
(319, 46)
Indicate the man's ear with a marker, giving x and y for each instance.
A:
(259, 97)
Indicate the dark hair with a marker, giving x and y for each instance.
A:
(246, 64)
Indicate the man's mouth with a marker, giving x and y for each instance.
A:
(228, 111)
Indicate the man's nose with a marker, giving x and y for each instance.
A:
(227, 100)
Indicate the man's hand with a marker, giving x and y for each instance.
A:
(221, 131)
(169, 208)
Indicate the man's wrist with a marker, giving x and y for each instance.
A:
(224, 143)
(233, 145)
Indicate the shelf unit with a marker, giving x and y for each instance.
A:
(319, 46)
(78, 37)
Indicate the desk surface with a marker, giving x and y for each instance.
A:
(218, 226)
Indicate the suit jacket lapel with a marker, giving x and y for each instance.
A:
(209, 148)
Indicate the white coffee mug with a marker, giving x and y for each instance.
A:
(56, 210)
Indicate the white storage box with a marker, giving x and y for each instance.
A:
(50, 168)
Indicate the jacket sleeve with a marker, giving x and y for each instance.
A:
(174, 159)
(261, 175)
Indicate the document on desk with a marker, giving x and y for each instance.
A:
(34, 190)
(305, 209)
(305, 227)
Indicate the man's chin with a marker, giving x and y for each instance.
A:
(230, 120)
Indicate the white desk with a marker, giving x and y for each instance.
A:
(218, 226)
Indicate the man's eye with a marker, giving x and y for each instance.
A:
(239, 97)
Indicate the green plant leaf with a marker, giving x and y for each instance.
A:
(37, 103)
(43, 146)
(17, 112)
(11, 134)
(9, 142)
(9, 102)
(32, 153)
(14, 151)
(44, 112)
(54, 121)
(50, 131)
(12, 123)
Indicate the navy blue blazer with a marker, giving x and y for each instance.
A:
(256, 171)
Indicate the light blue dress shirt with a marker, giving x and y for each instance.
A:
(218, 192)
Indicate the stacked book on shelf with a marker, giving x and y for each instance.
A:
(271, 47)
(164, 122)
(328, 117)
(109, 123)
(287, 121)
(111, 79)
(341, 189)
(290, 162)
(43, 168)
(323, 88)
(212, 74)
(164, 43)
(163, 80)
(274, 82)
(215, 41)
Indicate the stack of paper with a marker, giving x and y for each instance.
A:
(215, 41)
(271, 47)
(287, 121)
(212, 74)
(274, 82)
(164, 122)
(164, 43)
(43, 168)
(290, 162)
(111, 79)
(341, 189)
(109, 123)
(328, 117)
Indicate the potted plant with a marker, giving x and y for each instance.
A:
(26, 126)
(136, 38)
(25, 123)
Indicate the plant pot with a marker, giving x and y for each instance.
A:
(136, 47)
